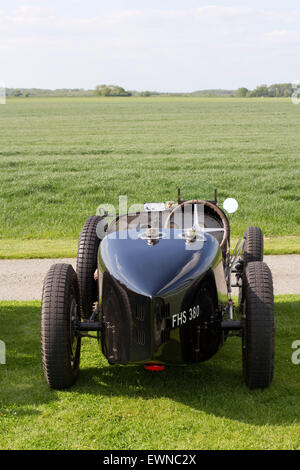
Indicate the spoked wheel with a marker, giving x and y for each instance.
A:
(259, 325)
(60, 314)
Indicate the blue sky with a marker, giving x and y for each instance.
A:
(159, 45)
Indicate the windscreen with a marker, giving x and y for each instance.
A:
(190, 216)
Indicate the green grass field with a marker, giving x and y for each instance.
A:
(111, 407)
(61, 158)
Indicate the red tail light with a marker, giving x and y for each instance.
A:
(154, 367)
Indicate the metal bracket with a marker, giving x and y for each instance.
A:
(236, 252)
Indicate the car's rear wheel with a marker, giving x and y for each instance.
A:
(88, 245)
(253, 245)
(60, 314)
(259, 325)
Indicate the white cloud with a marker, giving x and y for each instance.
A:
(29, 11)
(283, 37)
(164, 49)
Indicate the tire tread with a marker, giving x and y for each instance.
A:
(88, 245)
(259, 332)
(254, 245)
(60, 282)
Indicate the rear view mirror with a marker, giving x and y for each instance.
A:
(230, 205)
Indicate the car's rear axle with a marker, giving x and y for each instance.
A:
(89, 326)
(231, 325)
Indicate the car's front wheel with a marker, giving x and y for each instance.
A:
(60, 315)
(253, 245)
(88, 245)
(259, 325)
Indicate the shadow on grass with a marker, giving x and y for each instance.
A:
(215, 387)
(209, 388)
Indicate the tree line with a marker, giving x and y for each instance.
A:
(278, 90)
(111, 90)
(275, 90)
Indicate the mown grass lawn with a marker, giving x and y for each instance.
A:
(204, 407)
(61, 158)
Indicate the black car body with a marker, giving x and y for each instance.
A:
(160, 303)
(155, 286)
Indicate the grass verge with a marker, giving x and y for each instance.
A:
(203, 407)
(11, 248)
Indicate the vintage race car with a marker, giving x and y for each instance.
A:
(155, 287)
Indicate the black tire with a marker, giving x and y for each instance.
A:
(88, 245)
(60, 312)
(259, 325)
(254, 245)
